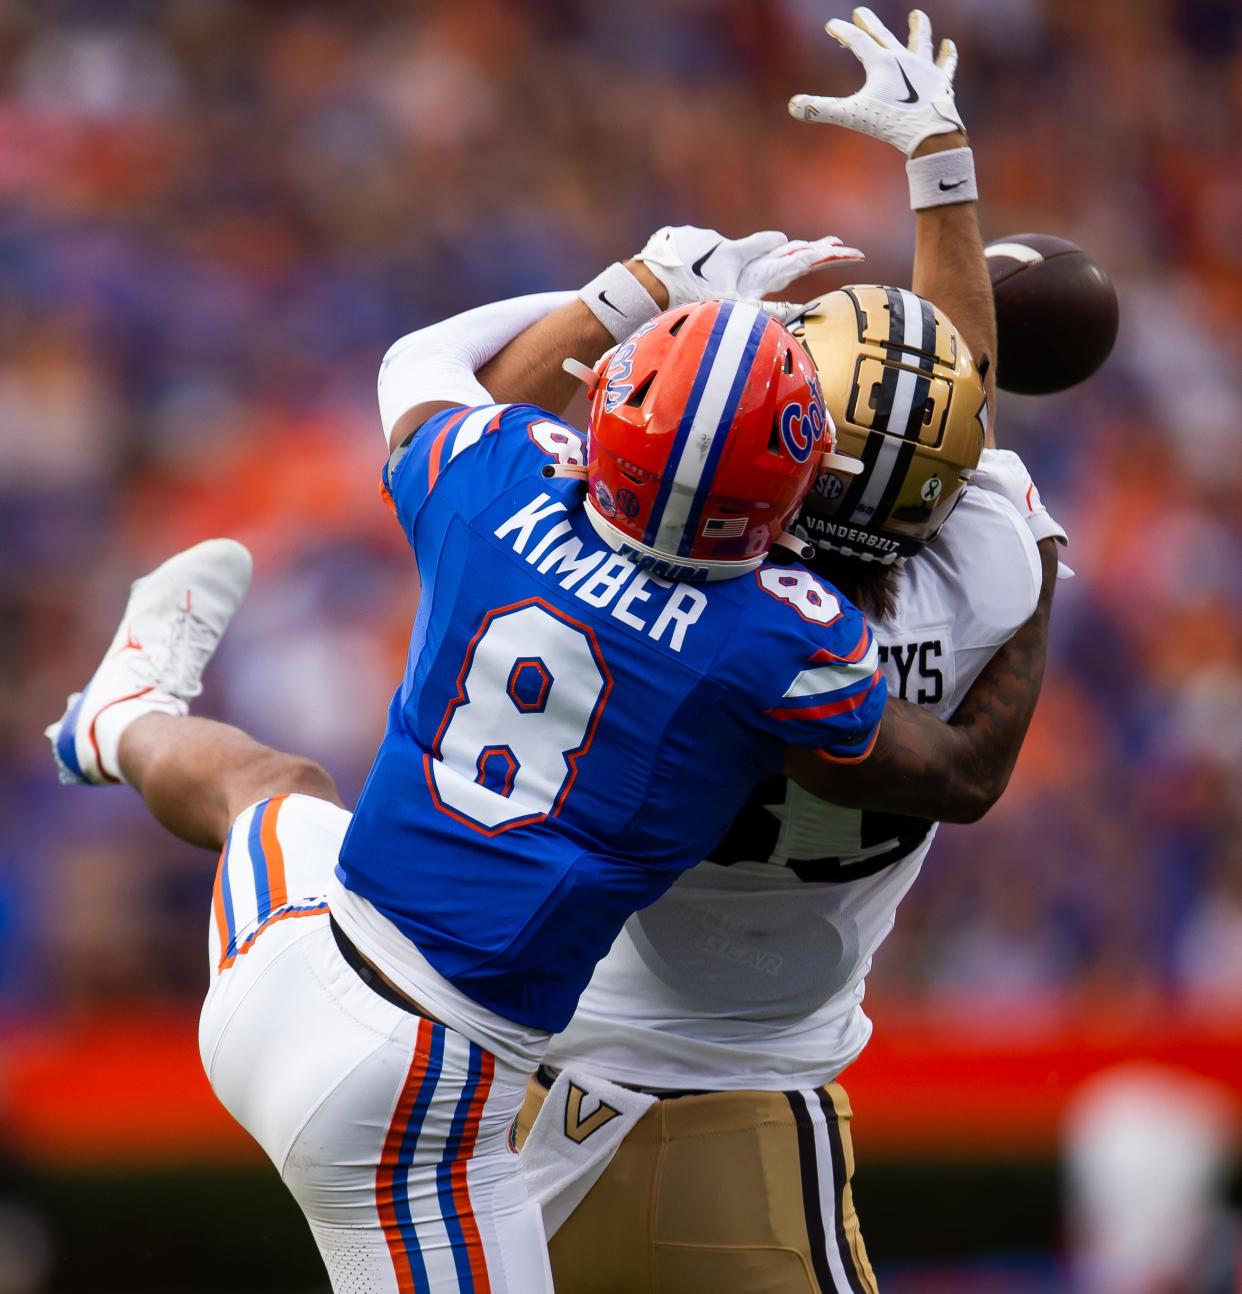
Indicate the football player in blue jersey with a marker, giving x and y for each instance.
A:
(604, 662)
(606, 659)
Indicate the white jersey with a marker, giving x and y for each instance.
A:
(749, 972)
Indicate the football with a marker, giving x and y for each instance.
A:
(1056, 313)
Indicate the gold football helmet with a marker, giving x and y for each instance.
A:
(908, 401)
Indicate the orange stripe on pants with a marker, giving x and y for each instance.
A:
(277, 886)
(217, 907)
(385, 1174)
(457, 1177)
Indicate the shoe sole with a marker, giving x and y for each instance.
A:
(64, 743)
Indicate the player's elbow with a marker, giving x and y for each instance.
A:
(976, 797)
(968, 809)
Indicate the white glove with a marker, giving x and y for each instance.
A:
(700, 264)
(906, 97)
(1002, 472)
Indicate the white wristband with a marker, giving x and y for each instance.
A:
(937, 179)
(619, 301)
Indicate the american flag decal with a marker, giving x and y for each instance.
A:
(725, 527)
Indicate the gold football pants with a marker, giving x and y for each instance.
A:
(720, 1193)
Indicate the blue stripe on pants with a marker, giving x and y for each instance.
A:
(409, 1144)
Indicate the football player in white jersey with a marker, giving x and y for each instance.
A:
(696, 1137)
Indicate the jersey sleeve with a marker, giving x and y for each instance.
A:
(820, 683)
(418, 464)
(474, 453)
(990, 565)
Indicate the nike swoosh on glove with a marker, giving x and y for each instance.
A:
(700, 264)
(908, 94)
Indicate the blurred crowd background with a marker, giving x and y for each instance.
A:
(216, 215)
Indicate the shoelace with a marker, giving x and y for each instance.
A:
(178, 661)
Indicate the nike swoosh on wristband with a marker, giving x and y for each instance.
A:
(697, 267)
(609, 304)
(913, 96)
(945, 188)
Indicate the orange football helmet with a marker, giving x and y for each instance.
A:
(707, 429)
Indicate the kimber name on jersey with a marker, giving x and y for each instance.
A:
(749, 973)
(540, 533)
(572, 732)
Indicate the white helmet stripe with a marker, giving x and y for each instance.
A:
(907, 379)
(885, 461)
(898, 418)
(703, 430)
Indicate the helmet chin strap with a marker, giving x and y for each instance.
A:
(798, 547)
(584, 373)
(832, 460)
(846, 464)
(590, 379)
(860, 555)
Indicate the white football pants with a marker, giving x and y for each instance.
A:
(395, 1134)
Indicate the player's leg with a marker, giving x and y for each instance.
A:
(823, 1117)
(197, 775)
(604, 1246)
(415, 1183)
(130, 724)
(736, 1192)
(389, 1129)
(783, 1219)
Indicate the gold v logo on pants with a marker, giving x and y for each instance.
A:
(578, 1129)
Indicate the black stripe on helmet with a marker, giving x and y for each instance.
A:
(896, 321)
(926, 362)
(929, 329)
(858, 485)
(896, 479)
(895, 354)
(860, 315)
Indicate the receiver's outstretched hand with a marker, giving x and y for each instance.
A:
(908, 94)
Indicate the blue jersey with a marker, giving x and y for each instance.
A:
(572, 732)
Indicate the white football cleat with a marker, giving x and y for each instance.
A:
(173, 623)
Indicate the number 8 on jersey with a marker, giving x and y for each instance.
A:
(529, 698)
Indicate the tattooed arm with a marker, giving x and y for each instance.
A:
(954, 771)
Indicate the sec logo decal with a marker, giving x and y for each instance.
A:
(627, 502)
